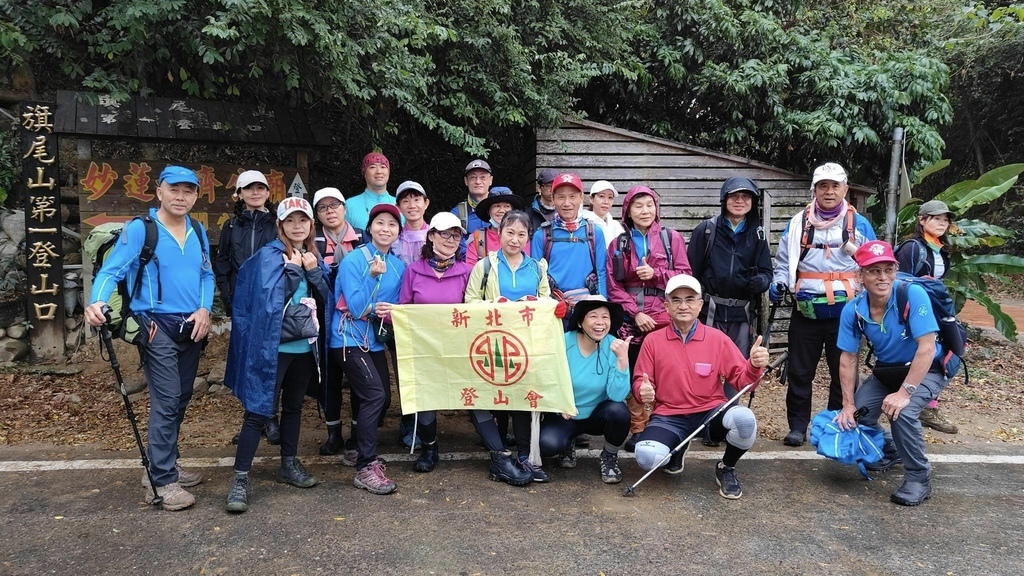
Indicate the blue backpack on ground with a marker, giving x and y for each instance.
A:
(861, 445)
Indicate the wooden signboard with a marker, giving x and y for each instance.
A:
(43, 240)
(118, 190)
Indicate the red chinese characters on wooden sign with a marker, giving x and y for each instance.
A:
(117, 190)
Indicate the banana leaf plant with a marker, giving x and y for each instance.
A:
(966, 278)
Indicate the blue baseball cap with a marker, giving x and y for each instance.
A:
(177, 175)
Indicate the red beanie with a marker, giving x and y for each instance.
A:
(374, 158)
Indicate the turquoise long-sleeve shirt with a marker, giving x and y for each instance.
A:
(184, 283)
(595, 378)
(362, 292)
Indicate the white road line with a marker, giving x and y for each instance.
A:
(101, 464)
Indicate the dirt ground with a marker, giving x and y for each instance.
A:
(75, 404)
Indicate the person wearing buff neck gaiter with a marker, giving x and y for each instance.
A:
(815, 263)
(436, 278)
(376, 170)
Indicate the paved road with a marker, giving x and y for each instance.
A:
(799, 515)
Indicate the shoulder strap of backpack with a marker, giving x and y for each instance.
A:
(197, 228)
(851, 222)
(366, 254)
(147, 255)
(922, 258)
(481, 242)
(808, 234)
(666, 241)
(546, 227)
(710, 232)
(463, 209)
(592, 241)
(903, 302)
(487, 272)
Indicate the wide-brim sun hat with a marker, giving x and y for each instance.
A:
(498, 194)
(593, 302)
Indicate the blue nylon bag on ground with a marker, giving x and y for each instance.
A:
(859, 446)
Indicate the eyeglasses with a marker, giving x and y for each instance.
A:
(325, 207)
(689, 301)
(879, 272)
(446, 235)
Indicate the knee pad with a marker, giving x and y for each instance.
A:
(742, 427)
(650, 453)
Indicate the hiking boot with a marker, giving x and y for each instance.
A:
(503, 470)
(677, 462)
(238, 495)
(582, 441)
(334, 440)
(272, 430)
(931, 418)
(912, 493)
(428, 458)
(372, 479)
(292, 472)
(728, 484)
(630, 445)
(711, 443)
(887, 461)
(795, 438)
(567, 459)
(610, 472)
(536, 472)
(351, 455)
(174, 497)
(186, 478)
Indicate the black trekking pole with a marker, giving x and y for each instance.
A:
(109, 345)
(768, 340)
(686, 441)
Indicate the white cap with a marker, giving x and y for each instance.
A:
(682, 281)
(445, 221)
(409, 185)
(601, 186)
(294, 204)
(250, 177)
(328, 193)
(829, 171)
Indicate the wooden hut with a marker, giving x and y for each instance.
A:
(687, 178)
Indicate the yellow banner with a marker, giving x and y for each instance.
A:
(483, 356)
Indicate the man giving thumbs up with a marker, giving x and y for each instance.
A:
(679, 374)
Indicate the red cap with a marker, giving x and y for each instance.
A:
(567, 179)
(380, 208)
(873, 252)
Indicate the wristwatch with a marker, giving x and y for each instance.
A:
(910, 388)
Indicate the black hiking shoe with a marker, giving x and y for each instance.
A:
(238, 495)
(503, 470)
(292, 472)
(728, 484)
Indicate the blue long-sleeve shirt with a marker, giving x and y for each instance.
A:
(362, 293)
(185, 282)
(569, 261)
(595, 378)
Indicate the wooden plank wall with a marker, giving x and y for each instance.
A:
(687, 180)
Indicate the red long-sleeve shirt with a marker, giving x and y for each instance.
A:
(687, 377)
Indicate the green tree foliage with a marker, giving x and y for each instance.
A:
(759, 78)
(458, 68)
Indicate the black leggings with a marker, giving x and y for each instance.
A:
(487, 428)
(293, 374)
(609, 419)
(361, 370)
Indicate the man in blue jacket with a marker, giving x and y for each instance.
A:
(172, 306)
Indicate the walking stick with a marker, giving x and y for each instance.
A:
(109, 345)
(686, 441)
(768, 341)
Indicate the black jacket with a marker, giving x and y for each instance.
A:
(738, 265)
(240, 238)
(909, 254)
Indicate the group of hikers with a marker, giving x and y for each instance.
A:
(659, 332)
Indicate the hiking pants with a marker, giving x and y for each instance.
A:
(170, 369)
(609, 419)
(806, 340)
(906, 439)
